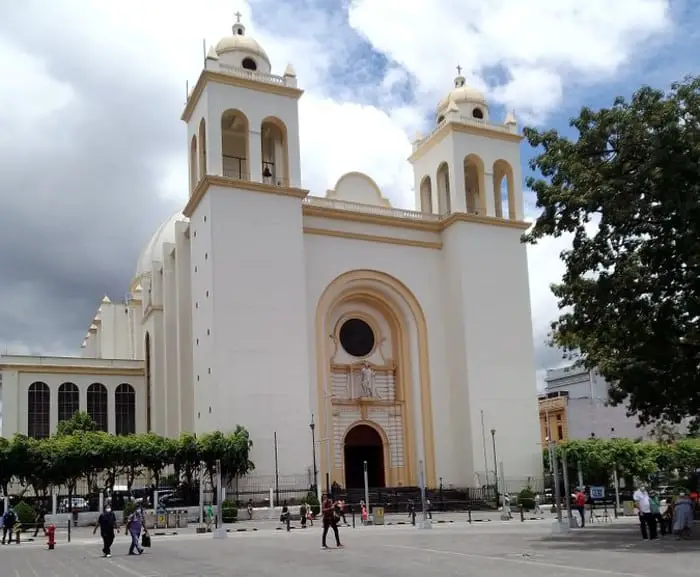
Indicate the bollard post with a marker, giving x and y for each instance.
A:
(289, 520)
(352, 510)
(413, 517)
(522, 514)
(69, 530)
(469, 510)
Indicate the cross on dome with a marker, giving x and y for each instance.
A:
(238, 28)
(459, 70)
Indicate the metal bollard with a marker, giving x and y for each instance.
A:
(352, 510)
(413, 517)
(469, 510)
(522, 514)
(289, 520)
(69, 530)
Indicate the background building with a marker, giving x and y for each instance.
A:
(576, 401)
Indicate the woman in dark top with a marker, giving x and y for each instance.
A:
(330, 520)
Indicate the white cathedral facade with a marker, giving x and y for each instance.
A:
(405, 336)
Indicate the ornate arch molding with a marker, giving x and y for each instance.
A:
(390, 295)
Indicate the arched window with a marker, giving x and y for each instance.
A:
(249, 64)
(234, 144)
(38, 411)
(68, 401)
(274, 151)
(97, 405)
(125, 409)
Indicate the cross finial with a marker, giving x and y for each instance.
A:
(459, 70)
(238, 17)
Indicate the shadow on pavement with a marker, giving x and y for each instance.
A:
(615, 537)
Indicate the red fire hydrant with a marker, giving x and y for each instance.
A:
(51, 536)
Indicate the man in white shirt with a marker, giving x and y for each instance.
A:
(646, 519)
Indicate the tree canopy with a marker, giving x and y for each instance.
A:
(628, 191)
(79, 452)
(633, 459)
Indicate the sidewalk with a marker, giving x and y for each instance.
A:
(80, 533)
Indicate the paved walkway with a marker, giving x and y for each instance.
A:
(274, 524)
(494, 549)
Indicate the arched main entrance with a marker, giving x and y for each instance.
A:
(363, 443)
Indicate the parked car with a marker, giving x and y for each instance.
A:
(76, 503)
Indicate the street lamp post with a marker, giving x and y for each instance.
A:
(312, 426)
(495, 464)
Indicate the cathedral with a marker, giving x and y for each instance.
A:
(337, 329)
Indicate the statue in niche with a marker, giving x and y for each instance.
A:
(367, 381)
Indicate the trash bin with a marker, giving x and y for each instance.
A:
(172, 520)
(378, 513)
(628, 508)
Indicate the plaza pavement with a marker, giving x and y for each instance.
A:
(496, 549)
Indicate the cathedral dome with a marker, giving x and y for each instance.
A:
(242, 51)
(153, 251)
(468, 99)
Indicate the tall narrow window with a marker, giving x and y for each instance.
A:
(68, 401)
(97, 405)
(148, 383)
(38, 411)
(125, 409)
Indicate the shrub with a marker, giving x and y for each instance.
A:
(526, 499)
(26, 515)
(312, 501)
(129, 508)
(229, 512)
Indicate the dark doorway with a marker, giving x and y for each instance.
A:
(363, 443)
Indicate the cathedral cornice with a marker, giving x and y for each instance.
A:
(232, 80)
(234, 183)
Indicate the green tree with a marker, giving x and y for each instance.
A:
(235, 460)
(187, 458)
(81, 421)
(628, 191)
(7, 467)
(156, 453)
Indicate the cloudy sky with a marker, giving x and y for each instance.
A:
(93, 154)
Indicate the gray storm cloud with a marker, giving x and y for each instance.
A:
(80, 185)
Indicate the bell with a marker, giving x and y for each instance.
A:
(266, 172)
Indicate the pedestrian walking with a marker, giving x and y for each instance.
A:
(40, 520)
(134, 525)
(9, 520)
(107, 524)
(330, 521)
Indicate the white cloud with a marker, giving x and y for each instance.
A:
(539, 45)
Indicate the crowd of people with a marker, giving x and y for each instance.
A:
(657, 517)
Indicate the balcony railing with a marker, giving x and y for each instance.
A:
(235, 167)
(252, 74)
(370, 209)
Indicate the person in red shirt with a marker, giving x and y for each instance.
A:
(580, 504)
(329, 521)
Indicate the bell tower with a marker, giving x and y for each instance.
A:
(248, 283)
(468, 163)
(242, 120)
